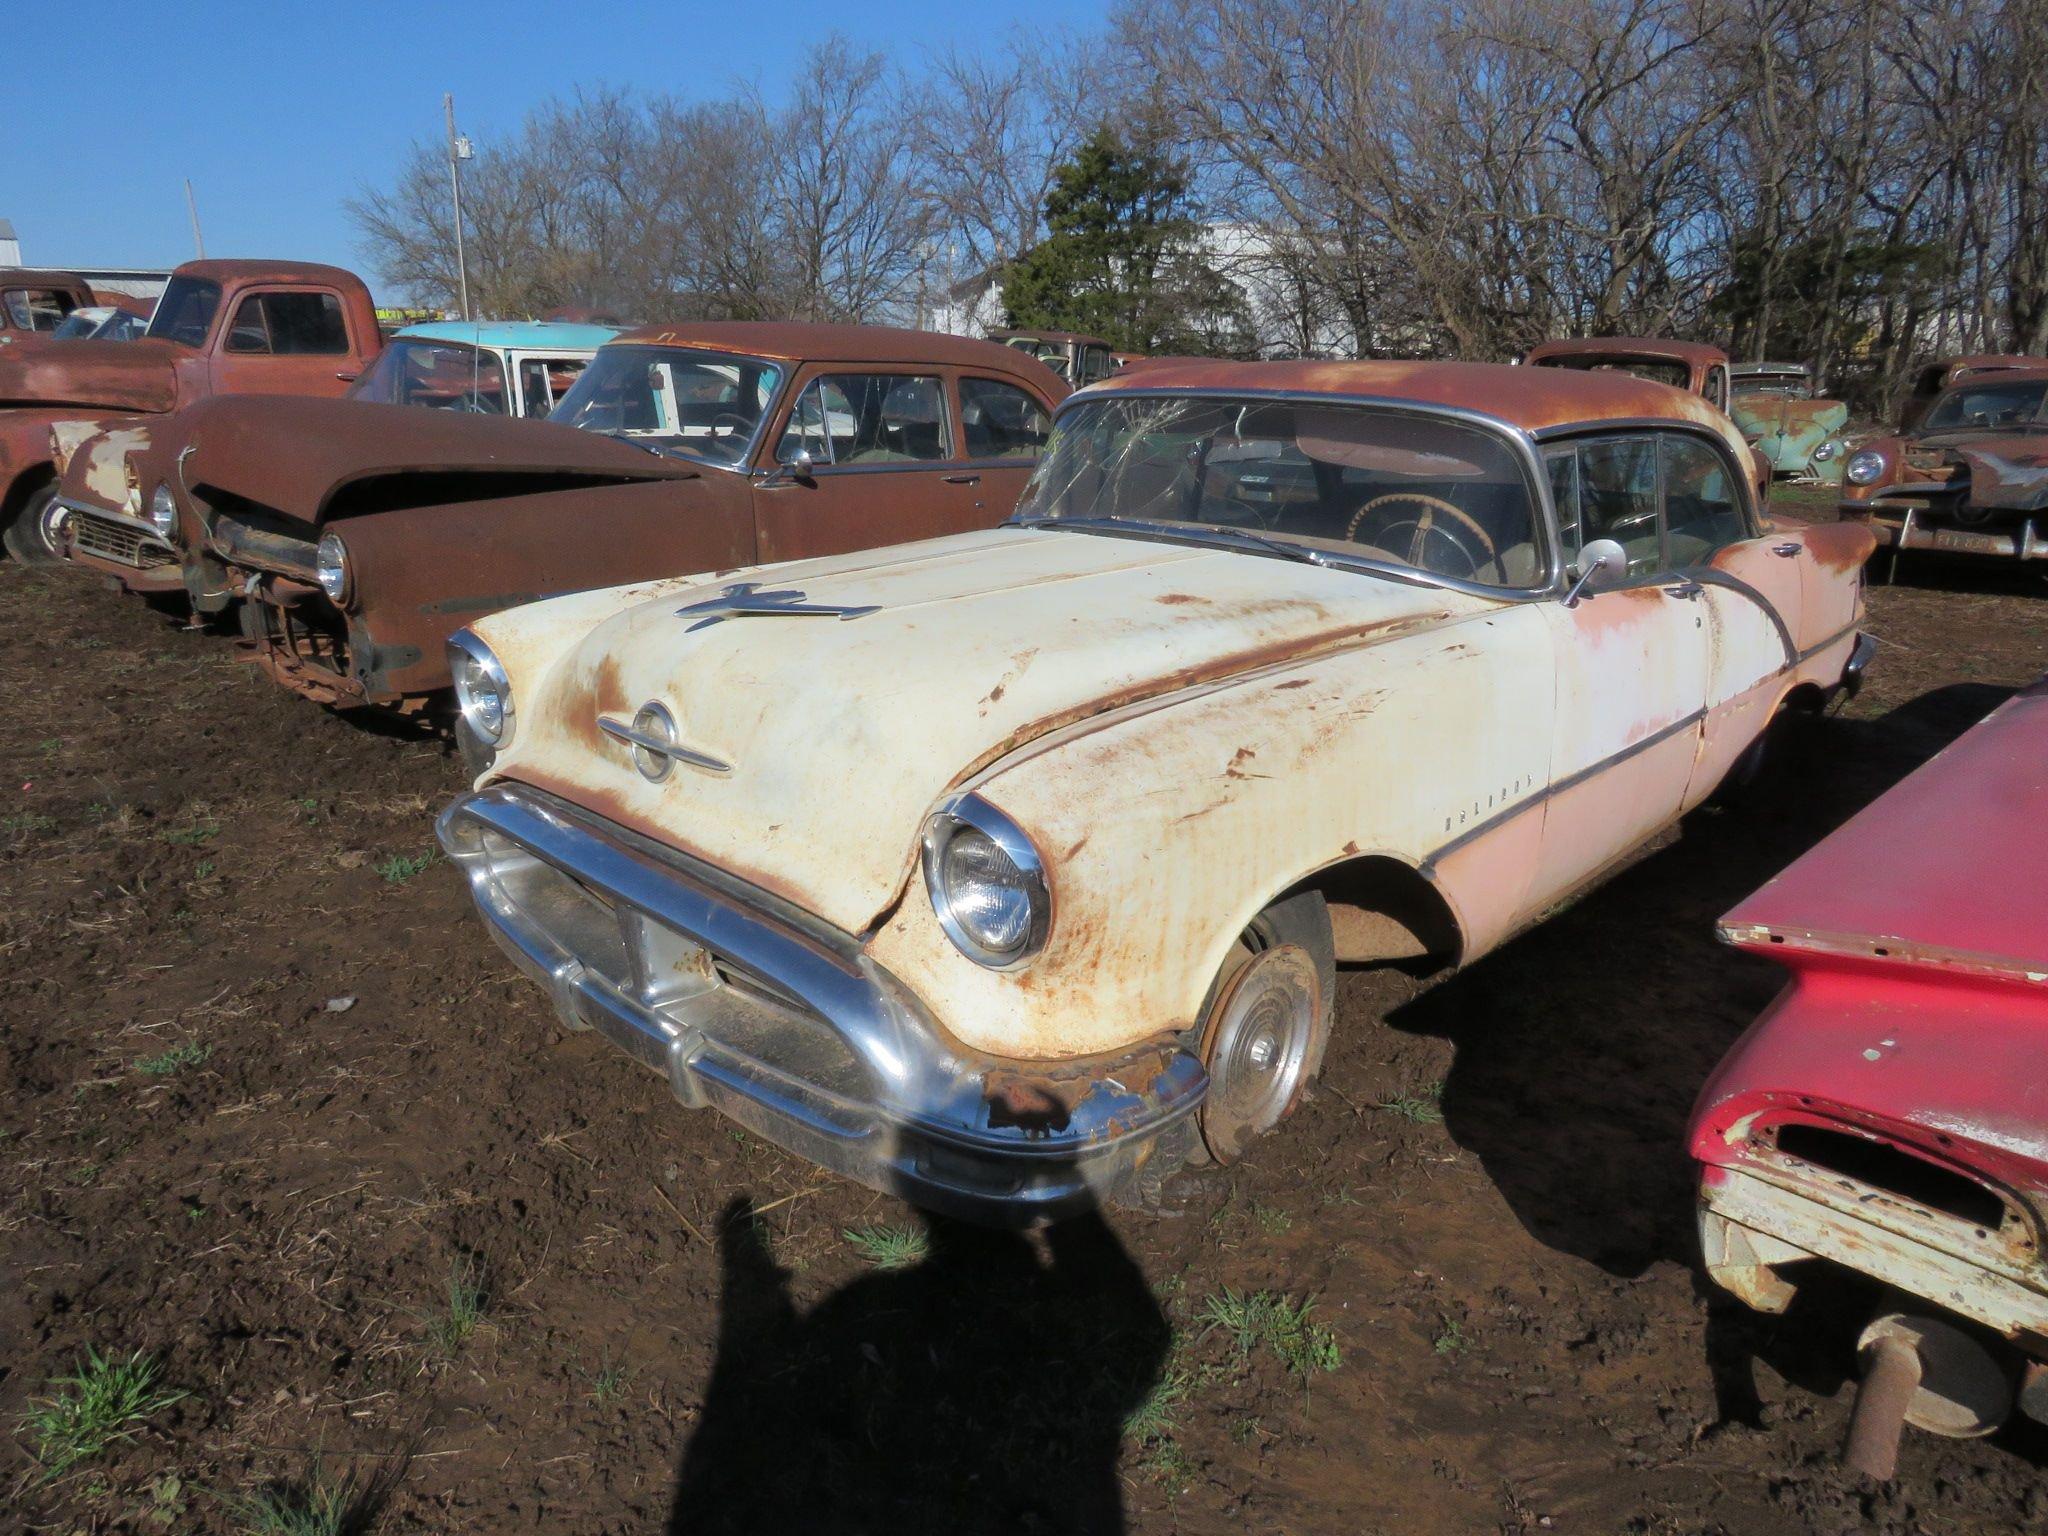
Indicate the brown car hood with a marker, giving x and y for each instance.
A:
(311, 460)
(2008, 472)
(137, 375)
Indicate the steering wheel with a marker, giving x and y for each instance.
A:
(739, 427)
(1462, 533)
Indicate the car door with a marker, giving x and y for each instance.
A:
(1003, 428)
(284, 341)
(885, 468)
(1632, 668)
(1747, 583)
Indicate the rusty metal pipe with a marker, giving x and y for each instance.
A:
(1891, 1375)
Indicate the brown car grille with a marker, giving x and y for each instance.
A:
(118, 542)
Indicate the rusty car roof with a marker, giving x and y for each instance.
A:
(793, 341)
(1530, 398)
(234, 270)
(1692, 352)
(42, 277)
(1037, 335)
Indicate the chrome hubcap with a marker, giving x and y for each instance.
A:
(1259, 1048)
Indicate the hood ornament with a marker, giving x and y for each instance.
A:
(745, 598)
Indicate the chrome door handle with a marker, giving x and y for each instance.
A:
(963, 479)
(1786, 551)
(1685, 589)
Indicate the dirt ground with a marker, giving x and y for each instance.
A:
(267, 1090)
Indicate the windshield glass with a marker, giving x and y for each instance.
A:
(37, 309)
(1656, 370)
(1791, 385)
(1051, 353)
(443, 375)
(1987, 405)
(677, 399)
(1400, 488)
(185, 312)
(78, 325)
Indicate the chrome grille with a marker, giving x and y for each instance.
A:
(119, 542)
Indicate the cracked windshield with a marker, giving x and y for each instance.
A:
(1340, 481)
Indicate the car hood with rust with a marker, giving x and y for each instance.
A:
(307, 459)
(128, 376)
(843, 733)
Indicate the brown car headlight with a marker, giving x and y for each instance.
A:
(986, 882)
(330, 567)
(1864, 467)
(163, 511)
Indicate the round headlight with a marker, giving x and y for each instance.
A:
(1826, 451)
(163, 511)
(986, 882)
(1863, 467)
(330, 566)
(482, 690)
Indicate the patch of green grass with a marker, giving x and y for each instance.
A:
(1423, 1108)
(85, 1174)
(48, 746)
(401, 867)
(468, 1300)
(1279, 1324)
(176, 1059)
(99, 810)
(1158, 1414)
(193, 836)
(166, 1508)
(203, 870)
(608, 1382)
(1171, 1466)
(1450, 1338)
(319, 1505)
(1271, 1219)
(1242, 1430)
(28, 821)
(100, 1404)
(889, 1247)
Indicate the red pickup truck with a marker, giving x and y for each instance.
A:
(221, 328)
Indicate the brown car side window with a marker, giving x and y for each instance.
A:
(289, 325)
(249, 333)
(851, 419)
(1001, 421)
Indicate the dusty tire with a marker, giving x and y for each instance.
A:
(25, 537)
(1296, 926)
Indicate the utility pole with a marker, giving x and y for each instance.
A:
(459, 150)
(192, 207)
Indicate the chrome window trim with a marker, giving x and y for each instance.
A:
(946, 461)
(969, 812)
(1520, 442)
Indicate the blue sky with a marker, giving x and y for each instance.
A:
(278, 114)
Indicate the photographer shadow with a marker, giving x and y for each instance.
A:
(984, 1387)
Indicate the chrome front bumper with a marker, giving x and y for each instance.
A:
(759, 1010)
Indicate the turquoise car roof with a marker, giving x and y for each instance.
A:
(533, 335)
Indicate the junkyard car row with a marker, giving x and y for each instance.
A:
(973, 786)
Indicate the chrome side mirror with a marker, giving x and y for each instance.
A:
(1601, 563)
(798, 466)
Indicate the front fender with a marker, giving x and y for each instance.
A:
(1165, 828)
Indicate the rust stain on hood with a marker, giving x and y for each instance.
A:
(301, 457)
(2007, 473)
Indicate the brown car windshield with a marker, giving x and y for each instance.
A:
(1979, 406)
(1397, 487)
(1655, 370)
(185, 312)
(706, 405)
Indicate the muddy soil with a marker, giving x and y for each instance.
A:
(265, 1091)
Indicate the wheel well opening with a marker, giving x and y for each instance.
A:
(25, 485)
(1384, 912)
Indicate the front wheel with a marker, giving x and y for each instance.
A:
(29, 538)
(1264, 1029)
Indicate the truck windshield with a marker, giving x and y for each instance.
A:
(707, 405)
(442, 375)
(185, 312)
(1396, 487)
(1987, 405)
